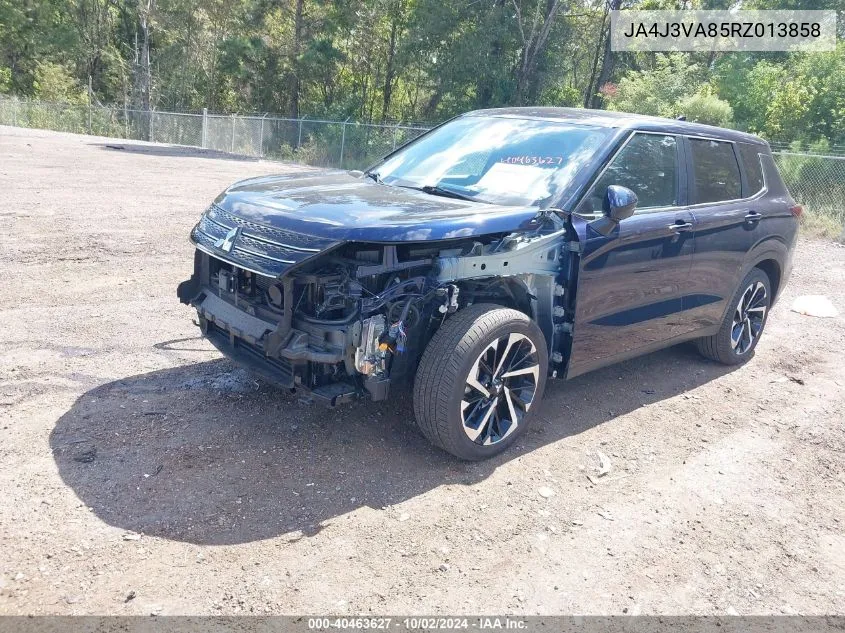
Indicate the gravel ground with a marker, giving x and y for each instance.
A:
(142, 473)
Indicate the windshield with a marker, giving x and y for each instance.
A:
(495, 160)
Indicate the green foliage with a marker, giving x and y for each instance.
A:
(788, 107)
(312, 152)
(659, 90)
(5, 79)
(33, 31)
(799, 97)
(705, 107)
(785, 97)
(748, 85)
(567, 96)
(820, 77)
(55, 83)
(405, 60)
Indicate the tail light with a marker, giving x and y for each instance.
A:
(797, 210)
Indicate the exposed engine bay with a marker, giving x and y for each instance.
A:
(353, 319)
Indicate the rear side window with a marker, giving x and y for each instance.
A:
(648, 166)
(750, 156)
(716, 171)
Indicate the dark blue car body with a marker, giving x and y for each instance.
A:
(639, 233)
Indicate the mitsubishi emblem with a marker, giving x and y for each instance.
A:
(225, 244)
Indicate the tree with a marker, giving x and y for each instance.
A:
(602, 72)
(533, 41)
(412, 60)
(55, 83)
(705, 107)
(659, 90)
(33, 31)
(142, 70)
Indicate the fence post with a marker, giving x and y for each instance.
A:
(343, 141)
(125, 119)
(89, 104)
(152, 125)
(395, 129)
(261, 137)
(15, 111)
(299, 140)
(204, 128)
(233, 134)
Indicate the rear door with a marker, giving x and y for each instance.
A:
(631, 283)
(727, 224)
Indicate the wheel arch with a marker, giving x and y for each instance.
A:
(770, 256)
(531, 294)
(772, 268)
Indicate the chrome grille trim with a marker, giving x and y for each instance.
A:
(301, 249)
(241, 249)
(215, 254)
(268, 234)
(208, 227)
(205, 216)
(252, 259)
(260, 253)
(269, 250)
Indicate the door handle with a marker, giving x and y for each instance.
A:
(681, 225)
(753, 216)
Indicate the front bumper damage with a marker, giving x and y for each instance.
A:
(350, 319)
(272, 344)
(280, 349)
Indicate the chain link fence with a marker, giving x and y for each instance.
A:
(817, 181)
(344, 144)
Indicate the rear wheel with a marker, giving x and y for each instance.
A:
(479, 381)
(735, 341)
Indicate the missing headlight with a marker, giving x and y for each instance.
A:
(369, 359)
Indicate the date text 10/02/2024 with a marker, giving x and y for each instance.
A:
(485, 623)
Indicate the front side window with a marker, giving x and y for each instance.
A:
(648, 166)
(715, 170)
(499, 160)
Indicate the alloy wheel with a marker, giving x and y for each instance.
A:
(500, 389)
(748, 318)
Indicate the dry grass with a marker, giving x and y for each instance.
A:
(822, 225)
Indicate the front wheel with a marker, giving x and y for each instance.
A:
(742, 326)
(479, 380)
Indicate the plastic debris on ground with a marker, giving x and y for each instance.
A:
(816, 306)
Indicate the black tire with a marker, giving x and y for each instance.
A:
(723, 346)
(446, 406)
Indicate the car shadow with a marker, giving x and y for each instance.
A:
(207, 454)
(173, 151)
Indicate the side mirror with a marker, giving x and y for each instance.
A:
(619, 203)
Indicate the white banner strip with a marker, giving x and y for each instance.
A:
(724, 31)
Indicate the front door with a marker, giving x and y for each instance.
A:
(631, 283)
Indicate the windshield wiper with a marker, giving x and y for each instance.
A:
(437, 190)
(434, 190)
(374, 175)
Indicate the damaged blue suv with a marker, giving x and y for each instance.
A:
(498, 250)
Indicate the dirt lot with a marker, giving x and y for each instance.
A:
(141, 473)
